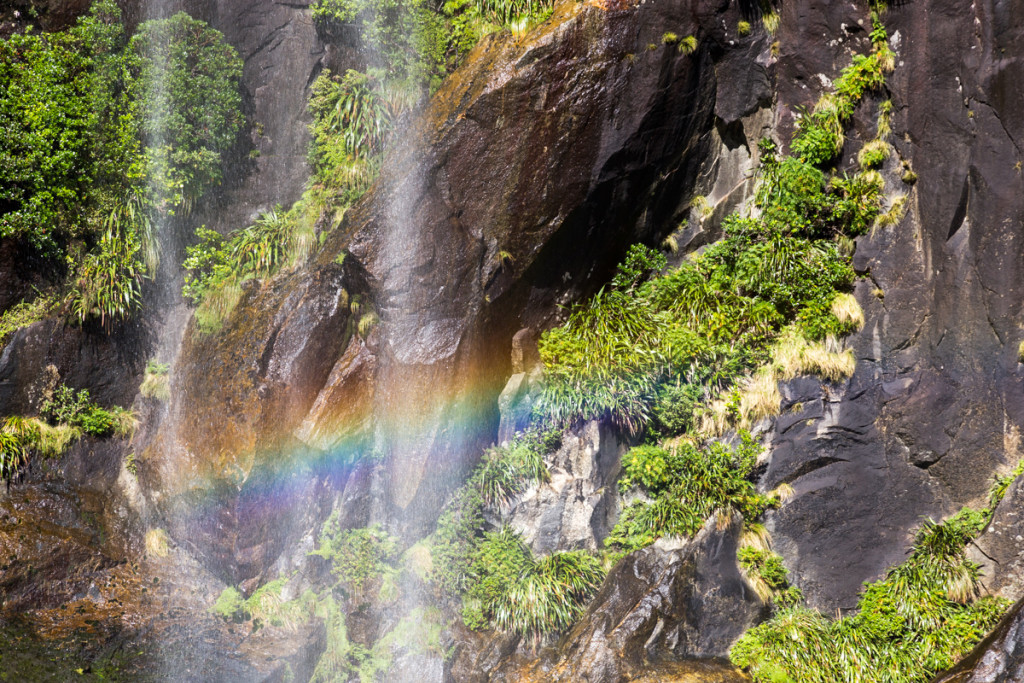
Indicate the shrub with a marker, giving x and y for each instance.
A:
(229, 604)
(685, 485)
(93, 150)
(186, 78)
(76, 410)
(358, 557)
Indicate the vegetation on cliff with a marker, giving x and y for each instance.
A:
(66, 415)
(920, 619)
(104, 136)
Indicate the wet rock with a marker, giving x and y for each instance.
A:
(108, 365)
(579, 506)
(508, 195)
(666, 603)
(997, 659)
(512, 194)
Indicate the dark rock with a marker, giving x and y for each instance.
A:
(924, 424)
(997, 659)
(108, 365)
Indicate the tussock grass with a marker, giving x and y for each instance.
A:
(892, 217)
(846, 309)
(156, 383)
(157, 543)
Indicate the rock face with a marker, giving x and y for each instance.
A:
(1000, 550)
(528, 174)
(665, 603)
(932, 411)
(579, 506)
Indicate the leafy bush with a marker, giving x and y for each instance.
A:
(229, 604)
(185, 78)
(358, 557)
(68, 129)
(68, 408)
(102, 133)
(685, 485)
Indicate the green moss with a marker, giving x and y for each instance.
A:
(229, 604)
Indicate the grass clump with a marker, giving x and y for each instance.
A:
(781, 271)
(919, 620)
(682, 486)
(507, 470)
(24, 314)
(743, 28)
(873, 154)
(511, 590)
(156, 383)
(688, 45)
(766, 574)
(501, 584)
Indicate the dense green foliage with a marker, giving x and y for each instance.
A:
(684, 485)
(510, 589)
(917, 621)
(66, 407)
(68, 132)
(67, 416)
(102, 136)
(184, 78)
(501, 583)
